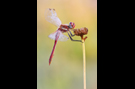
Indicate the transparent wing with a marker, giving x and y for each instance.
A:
(51, 16)
(52, 36)
(61, 36)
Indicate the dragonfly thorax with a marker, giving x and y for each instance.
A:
(64, 28)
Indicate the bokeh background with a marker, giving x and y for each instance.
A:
(66, 69)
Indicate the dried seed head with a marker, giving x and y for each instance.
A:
(81, 31)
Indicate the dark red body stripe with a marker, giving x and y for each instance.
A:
(56, 39)
(51, 56)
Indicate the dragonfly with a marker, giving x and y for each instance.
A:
(51, 16)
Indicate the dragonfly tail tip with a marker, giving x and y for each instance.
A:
(49, 63)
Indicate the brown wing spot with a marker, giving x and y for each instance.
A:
(54, 9)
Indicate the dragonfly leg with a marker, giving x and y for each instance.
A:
(71, 33)
(72, 39)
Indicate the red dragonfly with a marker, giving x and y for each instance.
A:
(51, 16)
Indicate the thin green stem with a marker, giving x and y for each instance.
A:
(84, 64)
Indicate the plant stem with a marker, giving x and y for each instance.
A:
(84, 64)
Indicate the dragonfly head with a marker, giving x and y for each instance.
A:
(71, 25)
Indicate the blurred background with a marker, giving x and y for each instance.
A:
(66, 69)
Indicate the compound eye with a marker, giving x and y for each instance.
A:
(73, 25)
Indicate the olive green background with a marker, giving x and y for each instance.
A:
(66, 69)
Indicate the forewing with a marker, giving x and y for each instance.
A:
(51, 16)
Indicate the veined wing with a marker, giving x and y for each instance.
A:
(61, 36)
(51, 16)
